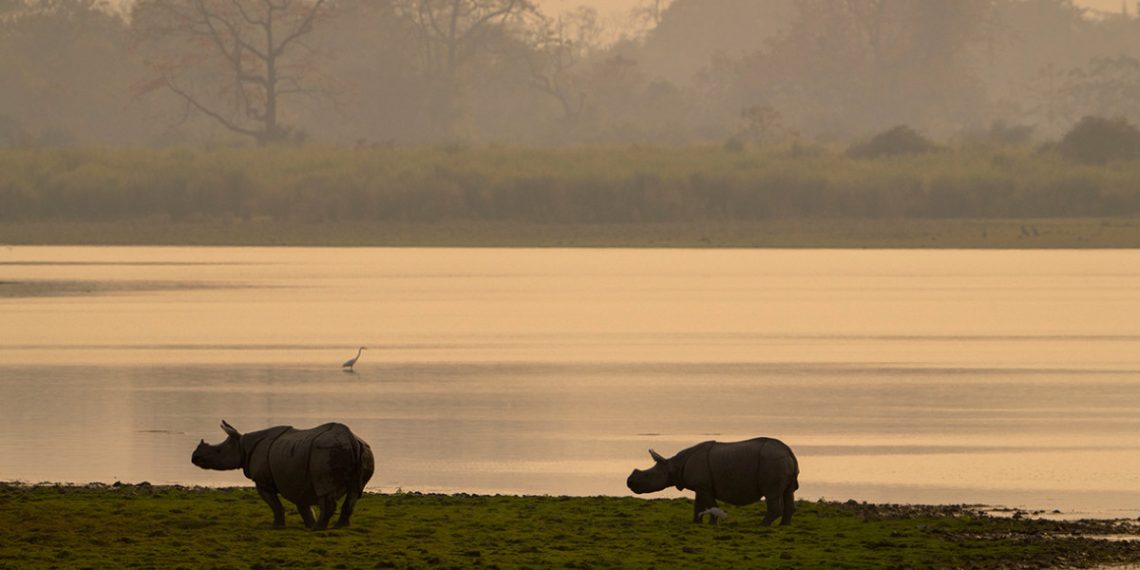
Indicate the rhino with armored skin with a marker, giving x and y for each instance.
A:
(739, 473)
(309, 467)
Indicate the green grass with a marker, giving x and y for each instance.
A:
(143, 526)
(566, 185)
(807, 233)
(698, 196)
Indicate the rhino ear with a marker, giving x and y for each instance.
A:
(226, 427)
(656, 456)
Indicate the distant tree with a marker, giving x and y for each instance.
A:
(849, 65)
(558, 47)
(369, 54)
(453, 33)
(66, 69)
(690, 33)
(1097, 140)
(618, 85)
(893, 142)
(1035, 44)
(760, 124)
(1107, 85)
(233, 61)
(1047, 96)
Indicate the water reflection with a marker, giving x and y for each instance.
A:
(997, 377)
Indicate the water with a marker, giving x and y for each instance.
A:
(999, 377)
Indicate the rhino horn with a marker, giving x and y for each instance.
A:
(226, 427)
(656, 456)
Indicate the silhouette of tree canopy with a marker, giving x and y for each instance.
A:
(367, 72)
(1097, 140)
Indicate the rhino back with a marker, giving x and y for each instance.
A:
(743, 472)
(289, 465)
(256, 447)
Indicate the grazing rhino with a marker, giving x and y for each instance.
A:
(738, 473)
(308, 467)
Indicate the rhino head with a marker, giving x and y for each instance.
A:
(223, 456)
(651, 480)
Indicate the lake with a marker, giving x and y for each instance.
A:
(996, 377)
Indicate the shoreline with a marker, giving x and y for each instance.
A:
(143, 524)
(995, 234)
(997, 511)
(994, 510)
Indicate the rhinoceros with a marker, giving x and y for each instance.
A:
(738, 473)
(308, 467)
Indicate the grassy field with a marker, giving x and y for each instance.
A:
(699, 196)
(840, 233)
(143, 526)
(582, 185)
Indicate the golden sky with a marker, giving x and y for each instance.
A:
(625, 5)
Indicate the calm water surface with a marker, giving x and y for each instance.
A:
(997, 377)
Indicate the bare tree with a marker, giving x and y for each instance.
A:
(558, 46)
(234, 61)
(451, 34)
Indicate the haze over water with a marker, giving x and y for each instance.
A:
(998, 377)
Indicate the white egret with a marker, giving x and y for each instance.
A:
(348, 364)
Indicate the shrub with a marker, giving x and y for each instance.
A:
(1097, 140)
(897, 141)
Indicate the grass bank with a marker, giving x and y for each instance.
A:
(699, 196)
(144, 526)
(583, 185)
(808, 233)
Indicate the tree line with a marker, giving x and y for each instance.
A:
(595, 185)
(383, 72)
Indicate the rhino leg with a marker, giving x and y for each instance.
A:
(775, 502)
(703, 502)
(347, 508)
(270, 496)
(789, 505)
(306, 514)
(328, 507)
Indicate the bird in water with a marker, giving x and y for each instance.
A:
(348, 364)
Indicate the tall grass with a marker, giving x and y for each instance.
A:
(596, 185)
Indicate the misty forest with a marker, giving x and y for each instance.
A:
(427, 110)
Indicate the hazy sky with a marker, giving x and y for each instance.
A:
(625, 5)
(622, 7)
